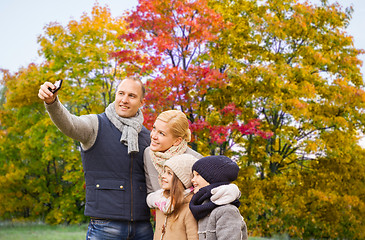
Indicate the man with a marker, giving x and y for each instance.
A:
(112, 155)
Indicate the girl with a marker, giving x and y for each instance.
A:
(216, 222)
(173, 217)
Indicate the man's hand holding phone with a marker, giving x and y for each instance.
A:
(48, 90)
(57, 85)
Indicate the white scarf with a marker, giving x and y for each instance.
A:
(129, 127)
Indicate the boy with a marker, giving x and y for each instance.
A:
(214, 221)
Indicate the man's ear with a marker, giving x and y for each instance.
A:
(143, 101)
(177, 141)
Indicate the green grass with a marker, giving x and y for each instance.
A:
(41, 231)
(37, 231)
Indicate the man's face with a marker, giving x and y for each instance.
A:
(128, 98)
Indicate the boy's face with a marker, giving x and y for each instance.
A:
(198, 182)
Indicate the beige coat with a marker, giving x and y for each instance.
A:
(185, 227)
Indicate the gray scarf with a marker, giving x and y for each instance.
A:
(129, 127)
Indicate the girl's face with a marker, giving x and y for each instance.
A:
(162, 138)
(166, 178)
(198, 181)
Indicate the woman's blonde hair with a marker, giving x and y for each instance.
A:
(177, 122)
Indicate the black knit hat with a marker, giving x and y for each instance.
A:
(215, 169)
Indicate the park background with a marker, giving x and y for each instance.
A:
(275, 85)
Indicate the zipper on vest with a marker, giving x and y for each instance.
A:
(131, 180)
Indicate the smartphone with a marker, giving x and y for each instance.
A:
(58, 85)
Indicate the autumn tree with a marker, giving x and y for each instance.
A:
(172, 40)
(298, 70)
(292, 65)
(41, 170)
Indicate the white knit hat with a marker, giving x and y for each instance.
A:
(181, 165)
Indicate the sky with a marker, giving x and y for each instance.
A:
(22, 21)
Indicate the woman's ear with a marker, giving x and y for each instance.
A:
(177, 141)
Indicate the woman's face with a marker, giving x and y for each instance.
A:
(162, 138)
(166, 178)
(198, 182)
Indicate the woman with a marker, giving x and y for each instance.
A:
(169, 137)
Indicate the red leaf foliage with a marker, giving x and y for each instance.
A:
(170, 48)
